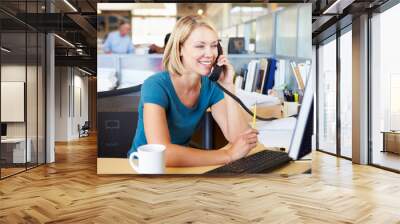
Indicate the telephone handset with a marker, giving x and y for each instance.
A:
(214, 76)
(216, 70)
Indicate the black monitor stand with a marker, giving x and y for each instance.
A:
(3, 129)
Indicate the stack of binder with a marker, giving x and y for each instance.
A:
(258, 76)
(261, 75)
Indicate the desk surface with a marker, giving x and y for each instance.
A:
(121, 166)
(13, 140)
(390, 132)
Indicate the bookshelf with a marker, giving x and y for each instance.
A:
(284, 77)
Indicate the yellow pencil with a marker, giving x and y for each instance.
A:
(254, 115)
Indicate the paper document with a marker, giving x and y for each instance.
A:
(287, 123)
(250, 98)
(276, 133)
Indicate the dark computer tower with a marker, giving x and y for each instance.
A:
(117, 116)
(115, 133)
(306, 142)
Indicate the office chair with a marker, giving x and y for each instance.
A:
(84, 130)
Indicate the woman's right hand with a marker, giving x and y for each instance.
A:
(243, 144)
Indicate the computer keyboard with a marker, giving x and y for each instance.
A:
(259, 162)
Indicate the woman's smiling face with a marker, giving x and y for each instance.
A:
(199, 51)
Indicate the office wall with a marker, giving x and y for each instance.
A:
(71, 102)
(41, 113)
(61, 103)
(17, 73)
(80, 104)
(50, 97)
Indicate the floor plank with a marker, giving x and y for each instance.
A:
(70, 191)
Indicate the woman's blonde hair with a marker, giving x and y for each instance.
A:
(183, 28)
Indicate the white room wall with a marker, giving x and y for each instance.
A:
(62, 80)
(70, 83)
(15, 73)
(79, 117)
(50, 94)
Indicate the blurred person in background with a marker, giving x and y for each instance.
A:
(119, 42)
(154, 49)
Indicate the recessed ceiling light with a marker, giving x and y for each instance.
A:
(64, 40)
(70, 5)
(5, 49)
(338, 6)
(86, 72)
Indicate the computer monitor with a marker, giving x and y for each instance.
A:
(3, 129)
(301, 142)
(236, 45)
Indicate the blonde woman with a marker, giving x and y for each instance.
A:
(173, 102)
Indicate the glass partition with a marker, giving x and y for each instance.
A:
(286, 34)
(22, 89)
(385, 89)
(264, 36)
(41, 88)
(304, 28)
(327, 97)
(14, 152)
(346, 94)
(31, 98)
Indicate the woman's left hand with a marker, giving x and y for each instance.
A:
(228, 73)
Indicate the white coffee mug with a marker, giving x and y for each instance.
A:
(151, 159)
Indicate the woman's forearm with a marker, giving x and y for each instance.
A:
(236, 121)
(178, 156)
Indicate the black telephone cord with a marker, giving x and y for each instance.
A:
(244, 106)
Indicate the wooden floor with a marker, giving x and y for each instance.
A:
(386, 159)
(10, 171)
(70, 191)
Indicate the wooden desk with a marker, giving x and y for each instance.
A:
(391, 141)
(266, 111)
(13, 150)
(121, 166)
(212, 139)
